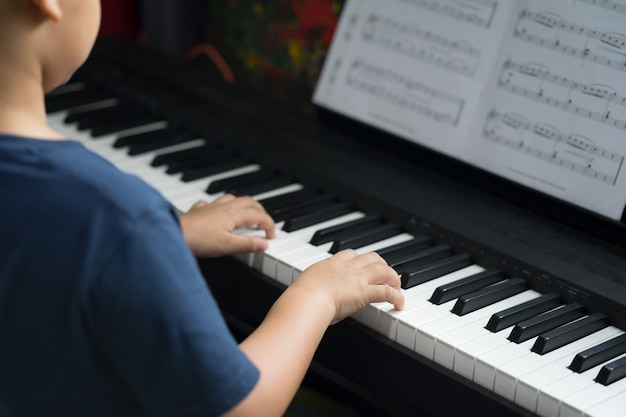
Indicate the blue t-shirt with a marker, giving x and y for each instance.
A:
(103, 310)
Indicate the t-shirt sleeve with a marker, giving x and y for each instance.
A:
(156, 323)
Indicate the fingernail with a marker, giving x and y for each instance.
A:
(262, 245)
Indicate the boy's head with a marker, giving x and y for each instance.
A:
(50, 38)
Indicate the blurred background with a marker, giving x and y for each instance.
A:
(275, 48)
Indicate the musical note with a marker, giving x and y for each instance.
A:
(476, 12)
(574, 152)
(456, 56)
(547, 30)
(606, 4)
(406, 93)
(596, 102)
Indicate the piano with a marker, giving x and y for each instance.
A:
(515, 303)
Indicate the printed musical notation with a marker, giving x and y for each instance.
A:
(552, 31)
(396, 89)
(454, 55)
(606, 4)
(543, 141)
(476, 12)
(530, 90)
(593, 101)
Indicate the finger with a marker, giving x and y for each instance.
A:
(268, 225)
(224, 198)
(371, 258)
(199, 204)
(346, 254)
(240, 244)
(388, 294)
(377, 272)
(254, 215)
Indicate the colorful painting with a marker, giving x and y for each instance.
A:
(273, 47)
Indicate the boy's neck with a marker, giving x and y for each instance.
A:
(23, 107)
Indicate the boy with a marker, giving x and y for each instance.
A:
(103, 311)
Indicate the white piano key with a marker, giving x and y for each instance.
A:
(489, 362)
(408, 324)
(298, 240)
(415, 298)
(285, 266)
(550, 395)
(386, 315)
(529, 384)
(471, 326)
(369, 315)
(279, 191)
(578, 403)
(300, 266)
(466, 353)
(403, 237)
(289, 242)
(508, 374)
(612, 407)
(135, 130)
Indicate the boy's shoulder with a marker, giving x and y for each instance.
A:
(66, 173)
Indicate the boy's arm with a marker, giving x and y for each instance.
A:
(283, 346)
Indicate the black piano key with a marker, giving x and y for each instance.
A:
(261, 186)
(544, 322)
(120, 125)
(154, 135)
(72, 86)
(612, 372)
(435, 269)
(390, 253)
(330, 234)
(203, 160)
(72, 99)
(556, 338)
(601, 353)
(412, 261)
(154, 140)
(226, 184)
(510, 316)
(168, 158)
(318, 216)
(305, 206)
(466, 285)
(489, 295)
(287, 199)
(86, 117)
(141, 148)
(366, 237)
(191, 174)
(109, 119)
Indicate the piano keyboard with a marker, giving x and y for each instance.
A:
(551, 358)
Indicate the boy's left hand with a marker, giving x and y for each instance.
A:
(209, 228)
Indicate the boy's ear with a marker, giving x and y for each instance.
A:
(49, 8)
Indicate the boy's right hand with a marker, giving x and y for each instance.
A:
(352, 281)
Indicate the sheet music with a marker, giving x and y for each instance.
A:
(531, 90)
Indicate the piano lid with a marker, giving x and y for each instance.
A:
(525, 100)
